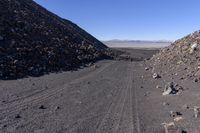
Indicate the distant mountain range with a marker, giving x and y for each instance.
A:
(137, 43)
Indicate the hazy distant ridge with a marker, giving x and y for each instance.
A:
(137, 43)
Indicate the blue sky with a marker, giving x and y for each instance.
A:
(130, 19)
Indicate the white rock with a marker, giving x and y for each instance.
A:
(170, 127)
(193, 47)
(156, 76)
(196, 111)
(178, 118)
(168, 91)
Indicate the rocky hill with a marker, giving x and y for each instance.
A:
(181, 58)
(34, 41)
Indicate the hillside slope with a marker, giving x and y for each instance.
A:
(34, 41)
(183, 56)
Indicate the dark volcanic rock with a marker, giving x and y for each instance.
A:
(34, 41)
(42, 107)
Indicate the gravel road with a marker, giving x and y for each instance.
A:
(109, 97)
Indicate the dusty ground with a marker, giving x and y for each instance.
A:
(109, 97)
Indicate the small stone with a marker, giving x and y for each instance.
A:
(175, 114)
(4, 126)
(42, 107)
(196, 80)
(170, 127)
(165, 104)
(17, 116)
(57, 107)
(177, 119)
(15, 61)
(196, 111)
(167, 91)
(185, 106)
(158, 87)
(193, 47)
(156, 76)
(146, 68)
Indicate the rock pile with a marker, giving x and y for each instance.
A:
(182, 57)
(34, 41)
(172, 88)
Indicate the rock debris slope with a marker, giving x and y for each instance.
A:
(181, 58)
(34, 41)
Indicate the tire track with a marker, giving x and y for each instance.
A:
(73, 124)
(81, 120)
(39, 98)
(112, 115)
(102, 104)
(126, 123)
(137, 120)
(83, 115)
(111, 120)
(99, 102)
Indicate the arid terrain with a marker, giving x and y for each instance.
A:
(110, 96)
(57, 78)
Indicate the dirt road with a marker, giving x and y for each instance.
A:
(110, 97)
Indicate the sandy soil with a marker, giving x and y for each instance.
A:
(109, 97)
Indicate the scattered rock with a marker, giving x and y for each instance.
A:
(167, 91)
(57, 107)
(193, 47)
(4, 126)
(196, 111)
(180, 58)
(178, 118)
(171, 128)
(165, 104)
(196, 80)
(17, 116)
(175, 114)
(37, 42)
(185, 106)
(158, 87)
(156, 76)
(146, 68)
(172, 88)
(42, 107)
